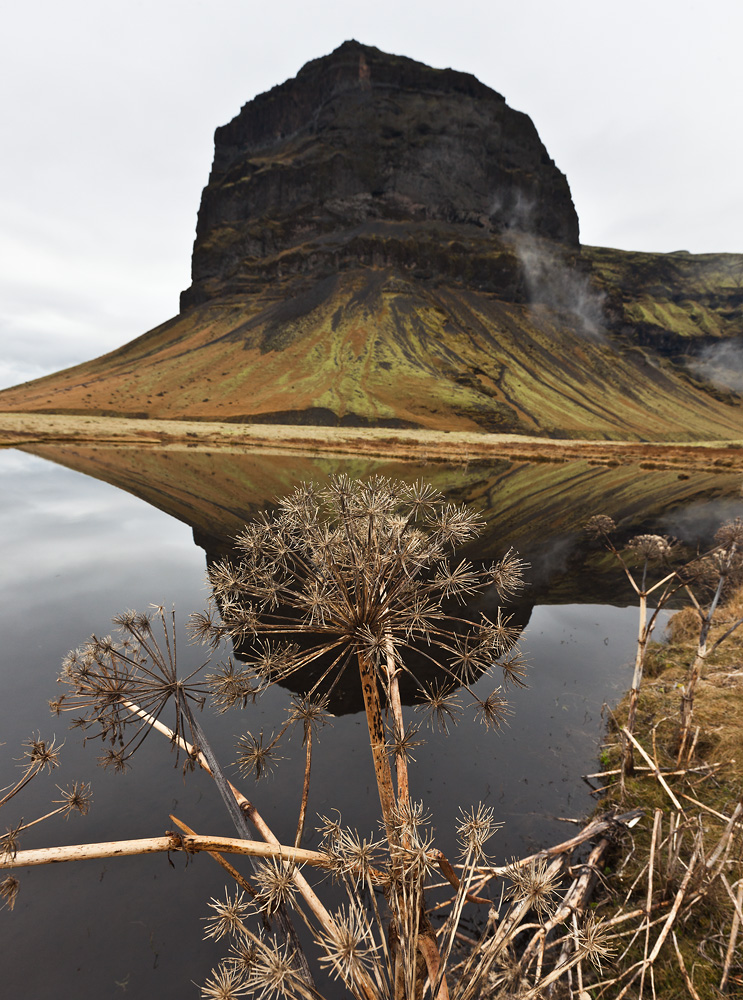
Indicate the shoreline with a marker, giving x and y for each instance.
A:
(20, 429)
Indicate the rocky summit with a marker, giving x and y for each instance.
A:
(382, 243)
(359, 144)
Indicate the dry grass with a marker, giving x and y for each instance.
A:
(709, 790)
(19, 429)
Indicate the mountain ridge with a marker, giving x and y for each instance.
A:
(382, 243)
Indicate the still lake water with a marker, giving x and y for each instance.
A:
(77, 550)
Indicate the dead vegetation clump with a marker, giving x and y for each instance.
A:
(673, 886)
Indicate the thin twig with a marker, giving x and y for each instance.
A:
(592, 829)
(655, 769)
(737, 916)
(701, 805)
(649, 899)
(687, 978)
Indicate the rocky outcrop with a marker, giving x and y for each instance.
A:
(362, 150)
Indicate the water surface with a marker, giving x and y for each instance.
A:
(78, 549)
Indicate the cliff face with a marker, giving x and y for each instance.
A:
(358, 143)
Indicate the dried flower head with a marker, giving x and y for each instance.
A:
(410, 818)
(111, 681)
(356, 856)
(9, 841)
(349, 948)
(403, 743)
(117, 760)
(275, 882)
(534, 884)
(311, 712)
(507, 575)
(594, 940)
(651, 547)
(229, 915)
(274, 973)
(730, 533)
(493, 711)
(441, 704)
(232, 687)
(39, 754)
(9, 891)
(412, 861)
(225, 983)
(361, 572)
(330, 830)
(241, 955)
(599, 526)
(75, 798)
(256, 756)
(203, 627)
(475, 827)
(514, 670)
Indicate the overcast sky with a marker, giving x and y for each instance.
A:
(109, 109)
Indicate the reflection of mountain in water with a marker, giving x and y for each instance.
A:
(537, 508)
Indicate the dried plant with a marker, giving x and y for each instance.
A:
(718, 572)
(39, 755)
(106, 677)
(355, 578)
(705, 578)
(637, 558)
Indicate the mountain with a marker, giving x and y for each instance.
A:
(382, 243)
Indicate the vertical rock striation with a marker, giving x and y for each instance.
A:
(359, 143)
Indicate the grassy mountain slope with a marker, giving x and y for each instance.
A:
(380, 345)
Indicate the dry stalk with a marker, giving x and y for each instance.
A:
(668, 924)
(166, 844)
(305, 787)
(682, 966)
(395, 703)
(649, 899)
(723, 845)
(310, 897)
(221, 861)
(378, 742)
(655, 769)
(737, 917)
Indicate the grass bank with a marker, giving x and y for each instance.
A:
(673, 884)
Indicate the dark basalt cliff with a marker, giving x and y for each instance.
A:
(357, 155)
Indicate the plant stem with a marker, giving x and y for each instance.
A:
(305, 786)
(377, 742)
(642, 641)
(158, 845)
